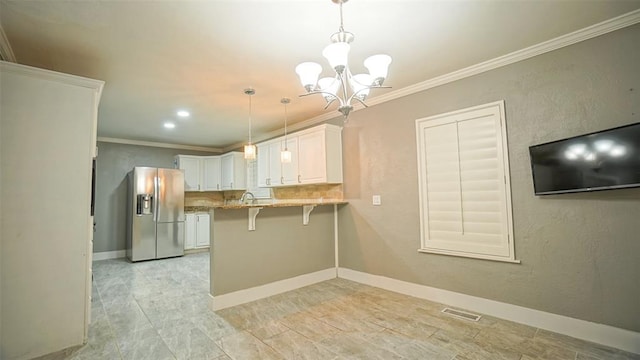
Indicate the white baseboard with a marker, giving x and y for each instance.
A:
(105, 255)
(278, 287)
(598, 333)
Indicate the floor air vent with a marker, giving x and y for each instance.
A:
(461, 314)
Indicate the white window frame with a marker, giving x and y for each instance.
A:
(505, 250)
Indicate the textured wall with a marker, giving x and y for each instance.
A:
(114, 161)
(280, 247)
(579, 252)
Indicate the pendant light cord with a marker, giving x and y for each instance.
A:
(249, 119)
(285, 127)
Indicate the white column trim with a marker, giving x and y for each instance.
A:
(623, 339)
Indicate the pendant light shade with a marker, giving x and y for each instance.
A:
(250, 152)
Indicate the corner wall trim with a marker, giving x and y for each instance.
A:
(105, 255)
(277, 287)
(598, 333)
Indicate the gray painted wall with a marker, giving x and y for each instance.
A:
(280, 247)
(114, 161)
(579, 252)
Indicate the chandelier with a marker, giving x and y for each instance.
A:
(344, 86)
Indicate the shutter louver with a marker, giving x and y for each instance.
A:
(462, 185)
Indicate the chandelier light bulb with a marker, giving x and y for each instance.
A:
(378, 66)
(329, 86)
(361, 84)
(337, 54)
(308, 73)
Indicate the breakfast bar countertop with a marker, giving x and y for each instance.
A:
(264, 204)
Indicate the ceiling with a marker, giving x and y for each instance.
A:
(158, 57)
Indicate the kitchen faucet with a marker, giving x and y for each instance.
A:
(245, 195)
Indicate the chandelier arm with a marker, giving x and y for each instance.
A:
(314, 92)
(329, 103)
(360, 101)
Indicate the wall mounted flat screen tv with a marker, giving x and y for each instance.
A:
(608, 159)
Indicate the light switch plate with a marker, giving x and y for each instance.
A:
(376, 200)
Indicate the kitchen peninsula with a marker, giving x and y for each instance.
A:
(285, 236)
(282, 253)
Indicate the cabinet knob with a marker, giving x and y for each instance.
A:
(282, 180)
(299, 181)
(231, 185)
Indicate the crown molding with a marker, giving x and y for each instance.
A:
(158, 144)
(6, 52)
(607, 26)
(45, 74)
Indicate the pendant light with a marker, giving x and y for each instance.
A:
(285, 155)
(250, 148)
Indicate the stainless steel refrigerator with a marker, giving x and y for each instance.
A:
(155, 213)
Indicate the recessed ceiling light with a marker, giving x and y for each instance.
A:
(169, 125)
(183, 113)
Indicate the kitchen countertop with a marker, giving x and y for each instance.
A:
(281, 203)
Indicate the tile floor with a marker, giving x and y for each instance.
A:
(158, 310)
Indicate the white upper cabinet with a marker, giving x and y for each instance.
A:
(191, 165)
(211, 173)
(263, 161)
(316, 158)
(290, 170)
(234, 171)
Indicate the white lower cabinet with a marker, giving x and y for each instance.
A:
(197, 231)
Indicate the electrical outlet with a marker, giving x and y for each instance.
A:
(376, 200)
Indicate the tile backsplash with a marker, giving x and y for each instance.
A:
(325, 192)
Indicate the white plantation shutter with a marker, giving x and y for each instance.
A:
(464, 188)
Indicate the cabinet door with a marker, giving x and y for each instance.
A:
(202, 230)
(211, 173)
(191, 167)
(290, 170)
(263, 164)
(275, 169)
(226, 167)
(190, 232)
(234, 171)
(312, 166)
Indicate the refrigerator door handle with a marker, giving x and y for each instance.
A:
(156, 190)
